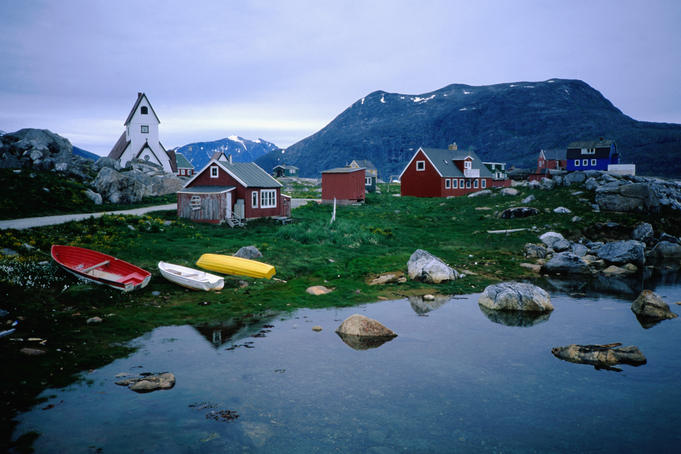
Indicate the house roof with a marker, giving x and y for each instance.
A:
(206, 189)
(555, 154)
(600, 143)
(120, 146)
(344, 170)
(443, 160)
(182, 162)
(285, 167)
(249, 174)
(140, 96)
(171, 156)
(364, 163)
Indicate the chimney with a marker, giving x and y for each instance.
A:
(139, 93)
(453, 146)
(229, 158)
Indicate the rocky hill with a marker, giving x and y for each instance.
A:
(506, 122)
(242, 150)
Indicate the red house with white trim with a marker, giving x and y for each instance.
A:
(547, 161)
(434, 172)
(226, 191)
(345, 184)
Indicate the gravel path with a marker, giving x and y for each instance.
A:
(27, 223)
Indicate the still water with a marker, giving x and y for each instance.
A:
(454, 380)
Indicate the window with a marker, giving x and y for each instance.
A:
(195, 202)
(576, 162)
(420, 165)
(145, 129)
(254, 199)
(468, 184)
(367, 181)
(461, 183)
(144, 110)
(593, 162)
(448, 183)
(455, 183)
(214, 171)
(468, 164)
(268, 198)
(475, 183)
(585, 162)
(483, 183)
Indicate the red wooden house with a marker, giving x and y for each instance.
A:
(547, 161)
(345, 184)
(226, 191)
(434, 172)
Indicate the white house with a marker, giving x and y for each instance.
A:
(140, 139)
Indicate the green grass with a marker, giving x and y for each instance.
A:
(365, 240)
(32, 193)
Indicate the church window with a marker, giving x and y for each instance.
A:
(144, 110)
(145, 129)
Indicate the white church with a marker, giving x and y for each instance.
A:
(140, 139)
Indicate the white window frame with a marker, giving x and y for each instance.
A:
(461, 183)
(420, 166)
(455, 183)
(577, 162)
(254, 199)
(214, 172)
(483, 183)
(585, 162)
(468, 184)
(475, 184)
(468, 164)
(144, 129)
(367, 181)
(195, 202)
(593, 162)
(448, 183)
(268, 198)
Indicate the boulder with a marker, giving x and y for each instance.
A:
(547, 183)
(591, 184)
(426, 267)
(664, 250)
(528, 199)
(317, 290)
(117, 187)
(149, 382)
(535, 251)
(614, 270)
(574, 178)
(388, 278)
(518, 212)
(514, 296)
(643, 232)
(600, 356)
(509, 191)
(620, 252)
(561, 245)
(627, 198)
(549, 238)
(479, 193)
(95, 197)
(106, 161)
(650, 307)
(566, 263)
(562, 210)
(579, 249)
(362, 326)
(248, 252)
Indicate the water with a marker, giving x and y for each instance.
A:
(454, 380)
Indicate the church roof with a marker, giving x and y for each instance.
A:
(120, 146)
(140, 96)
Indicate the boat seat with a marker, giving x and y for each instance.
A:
(130, 276)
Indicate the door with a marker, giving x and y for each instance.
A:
(228, 213)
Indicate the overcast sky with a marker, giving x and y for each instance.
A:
(282, 70)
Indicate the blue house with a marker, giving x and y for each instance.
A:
(592, 155)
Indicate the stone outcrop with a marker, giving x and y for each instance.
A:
(600, 356)
(514, 296)
(133, 185)
(649, 307)
(426, 267)
(620, 252)
(664, 251)
(627, 197)
(535, 251)
(643, 232)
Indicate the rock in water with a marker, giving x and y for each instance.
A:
(566, 263)
(426, 267)
(360, 325)
(514, 296)
(600, 356)
(649, 307)
(149, 382)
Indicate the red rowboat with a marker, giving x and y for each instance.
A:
(100, 268)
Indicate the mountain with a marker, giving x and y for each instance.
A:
(242, 150)
(85, 154)
(507, 122)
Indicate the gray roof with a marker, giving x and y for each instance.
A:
(182, 162)
(557, 154)
(285, 167)
(206, 189)
(443, 159)
(601, 143)
(365, 163)
(119, 147)
(251, 175)
(343, 170)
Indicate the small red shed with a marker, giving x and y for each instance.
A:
(345, 184)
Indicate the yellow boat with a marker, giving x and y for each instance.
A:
(227, 264)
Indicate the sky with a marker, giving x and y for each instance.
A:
(282, 70)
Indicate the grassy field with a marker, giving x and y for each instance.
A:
(365, 241)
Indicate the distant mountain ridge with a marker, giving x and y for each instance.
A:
(507, 122)
(242, 150)
(85, 154)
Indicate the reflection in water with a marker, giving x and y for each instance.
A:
(364, 342)
(515, 318)
(647, 323)
(422, 307)
(233, 329)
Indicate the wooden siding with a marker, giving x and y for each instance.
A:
(343, 186)
(213, 207)
(425, 183)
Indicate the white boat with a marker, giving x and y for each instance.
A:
(190, 277)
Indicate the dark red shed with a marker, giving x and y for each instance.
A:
(345, 184)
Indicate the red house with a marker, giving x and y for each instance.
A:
(345, 184)
(434, 172)
(226, 191)
(549, 160)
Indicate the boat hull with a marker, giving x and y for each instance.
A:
(227, 264)
(190, 278)
(100, 268)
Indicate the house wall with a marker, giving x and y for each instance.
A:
(213, 207)
(343, 186)
(604, 156)
(425, 183)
